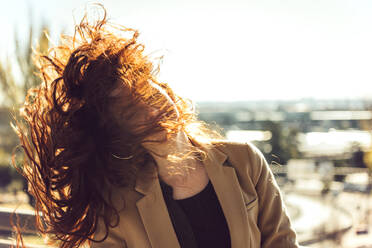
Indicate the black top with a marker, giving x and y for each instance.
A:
(198, 221)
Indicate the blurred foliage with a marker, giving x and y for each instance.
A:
(284, 143)
(368, 160)
(17, 76)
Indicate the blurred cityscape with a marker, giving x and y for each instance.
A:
(320, 152)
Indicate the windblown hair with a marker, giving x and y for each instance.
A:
(74, 132)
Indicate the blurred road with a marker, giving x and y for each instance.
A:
(317, 218)
(334, 220)
(360, 206)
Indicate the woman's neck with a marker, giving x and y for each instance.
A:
(174, 170)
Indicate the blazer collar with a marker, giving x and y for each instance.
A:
(154, 214)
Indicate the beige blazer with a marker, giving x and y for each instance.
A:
(247, 191)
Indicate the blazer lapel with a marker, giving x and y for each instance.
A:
(227, 188)
(154, 214)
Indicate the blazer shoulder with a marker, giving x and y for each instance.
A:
(246, 149)
(244, 156)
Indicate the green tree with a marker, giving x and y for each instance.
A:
(284, 142)
(17, 76)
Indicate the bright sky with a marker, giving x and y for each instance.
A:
(235, 49)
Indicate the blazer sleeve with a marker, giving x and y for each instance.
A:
(273, 220)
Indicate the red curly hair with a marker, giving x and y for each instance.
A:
(74, 133)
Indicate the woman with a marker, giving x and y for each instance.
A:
(114, 158)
